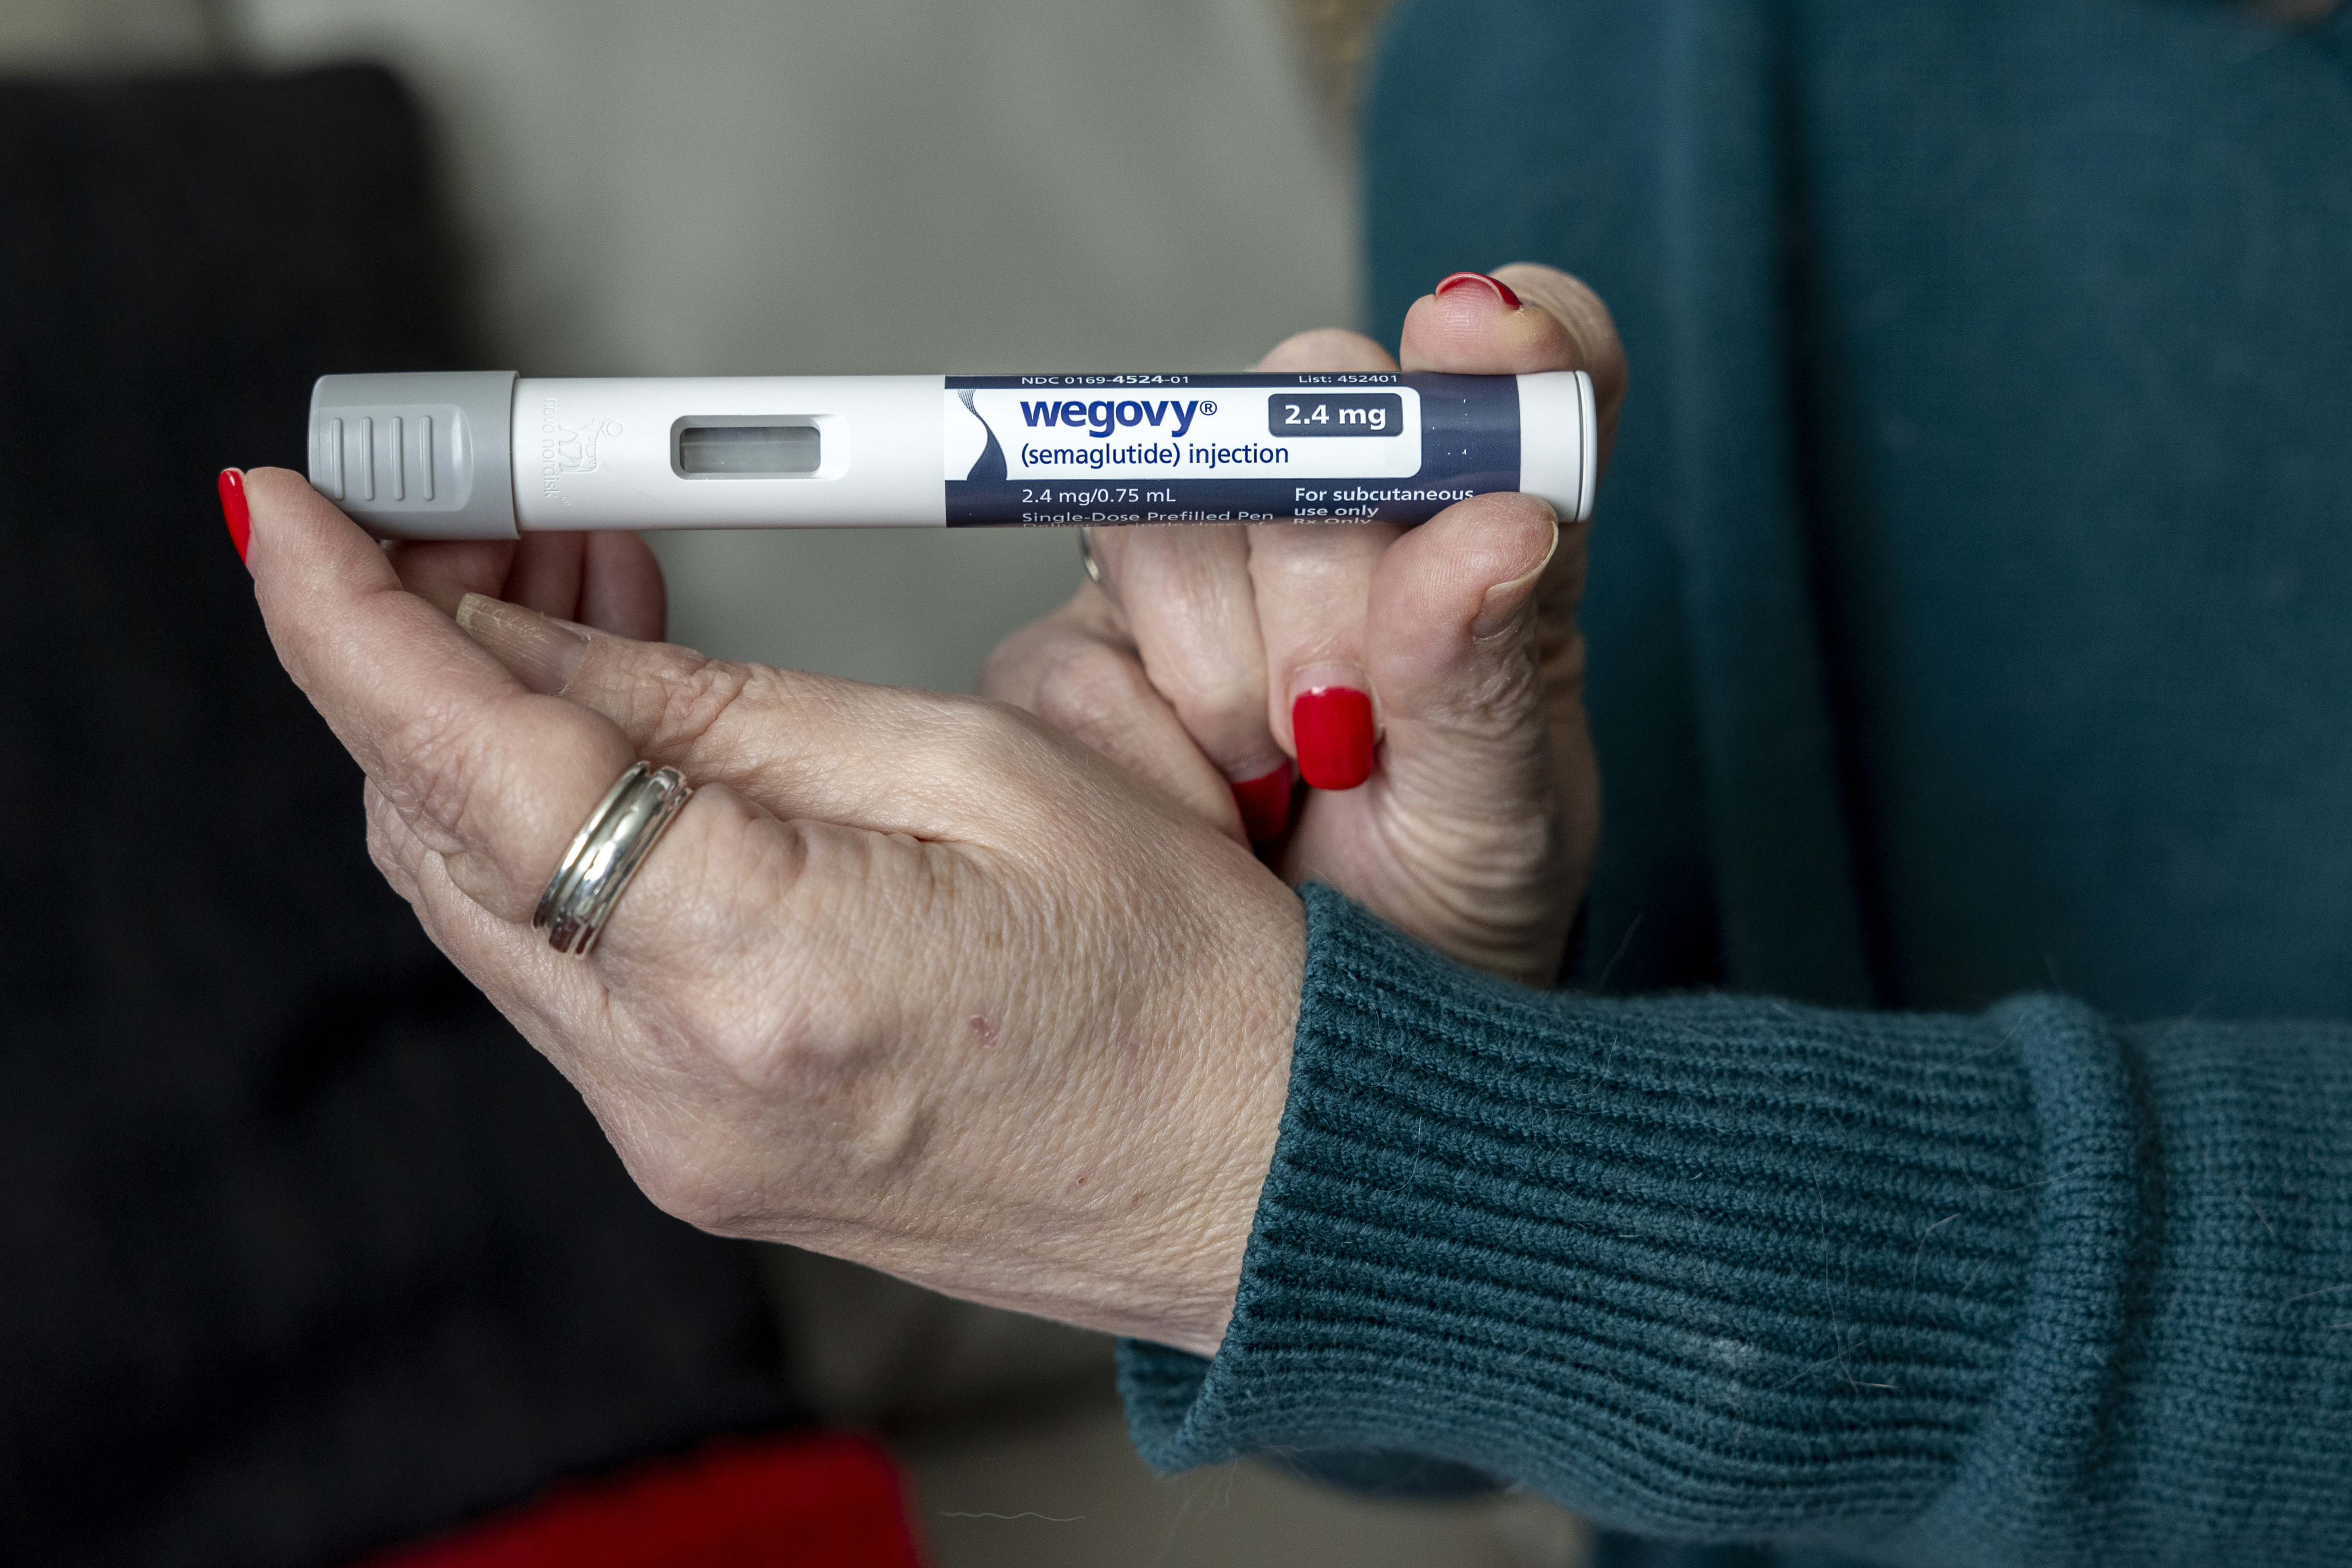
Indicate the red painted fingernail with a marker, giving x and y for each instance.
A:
(1332, 728)
(233, 508)
(1265, 804)
(1480, 280)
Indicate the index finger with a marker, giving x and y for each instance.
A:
(1194, 598)
(489, 775)
(1517, 321)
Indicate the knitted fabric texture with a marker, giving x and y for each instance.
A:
(1966, 617)
(2021, 1286)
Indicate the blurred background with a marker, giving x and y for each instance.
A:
(578, 187)
(726, 187)
(897, 185)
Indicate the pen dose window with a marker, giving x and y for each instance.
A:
(744, 450)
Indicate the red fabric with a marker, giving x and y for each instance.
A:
(830, 1500)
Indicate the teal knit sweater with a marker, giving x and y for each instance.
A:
(1946, 1154)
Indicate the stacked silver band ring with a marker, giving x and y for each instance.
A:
(604, 854)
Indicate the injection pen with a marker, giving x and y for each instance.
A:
(489, 454)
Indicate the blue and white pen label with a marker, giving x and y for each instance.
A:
(1057, 450)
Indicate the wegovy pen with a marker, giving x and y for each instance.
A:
(491, 455)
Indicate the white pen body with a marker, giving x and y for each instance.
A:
(490, 454)
(859, 451)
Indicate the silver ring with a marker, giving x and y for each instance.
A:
(604, 854)
(1086, 557)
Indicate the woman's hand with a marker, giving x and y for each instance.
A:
(608, 581)
(916, 981)
(1209, 657)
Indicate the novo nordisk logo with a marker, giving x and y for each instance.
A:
(1103, 416)
(569, 447)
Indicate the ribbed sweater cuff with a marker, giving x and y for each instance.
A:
(1696, 1266)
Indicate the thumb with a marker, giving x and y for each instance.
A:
(1451, 638)
(1471, 765)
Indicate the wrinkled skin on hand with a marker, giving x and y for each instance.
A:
(998, 1005)
(1476, 831)
(916, 981)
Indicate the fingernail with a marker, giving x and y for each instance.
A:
(1331, 726)
(1502, 291)
(541, 653)
(1265, 804)
(1499, 610)
(233, 509)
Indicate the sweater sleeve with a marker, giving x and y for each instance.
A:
(2023, 1286)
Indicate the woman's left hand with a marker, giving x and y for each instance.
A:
(916, 981)
(1206, 653)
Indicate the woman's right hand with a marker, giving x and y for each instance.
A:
(1207, 657)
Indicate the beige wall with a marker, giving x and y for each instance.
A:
(41, 35)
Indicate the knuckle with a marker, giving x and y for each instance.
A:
(1504, 697)
(726, 1004)
(987, 743)
(1010, 674)
(1086, 686)
(440, 763)
(1015, 663)
(390, 863)
(1219, 707)
(693, 698)
(782, 1067)
(391, 845)
(748, 1047)
(686, 1179)
(1091, 688)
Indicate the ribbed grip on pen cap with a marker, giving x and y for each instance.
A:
(418, 455)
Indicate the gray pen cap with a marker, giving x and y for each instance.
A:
(419, 454)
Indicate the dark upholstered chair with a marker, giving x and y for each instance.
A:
(302, 1250)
